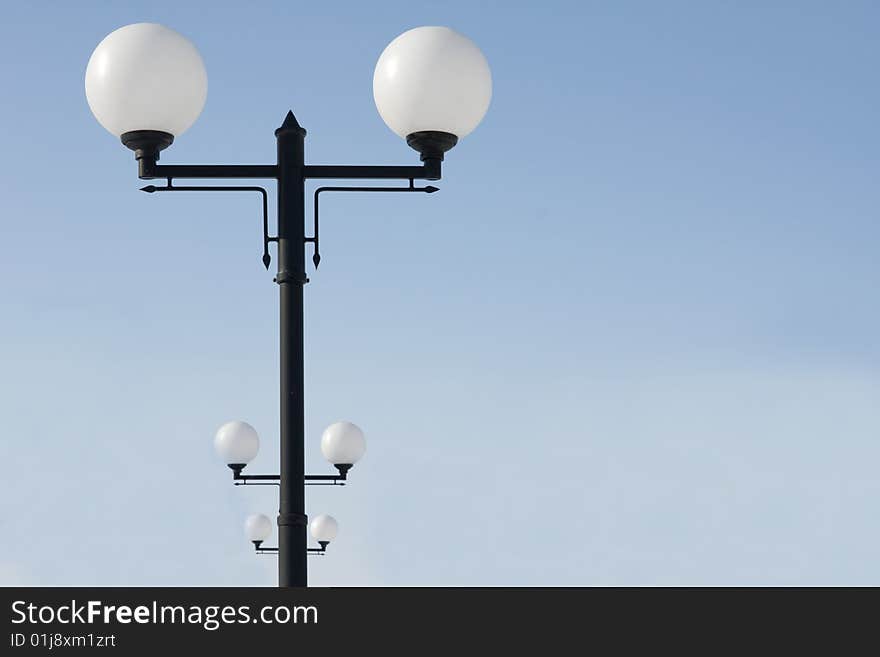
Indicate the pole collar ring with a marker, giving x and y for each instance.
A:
(293, 519)
(291, 277)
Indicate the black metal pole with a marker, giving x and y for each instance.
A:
(292, 520)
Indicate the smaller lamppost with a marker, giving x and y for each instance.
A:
(258, 528)
(342, 443)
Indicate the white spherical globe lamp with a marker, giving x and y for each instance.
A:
(257, 528)
(432, 86)
(343, 444)
(146, 84)
(237, 443)
(324, 528)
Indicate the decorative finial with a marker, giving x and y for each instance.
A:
(290, 123)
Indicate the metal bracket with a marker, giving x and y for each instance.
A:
(321, 551)
(316, 258)
(240, 479)
(267, 259)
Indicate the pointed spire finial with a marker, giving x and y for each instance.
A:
(290, 123)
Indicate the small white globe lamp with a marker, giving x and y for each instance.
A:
(324, 529)
(257, 528)
(237, 443)
(343, 444)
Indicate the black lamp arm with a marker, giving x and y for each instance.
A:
(148, 169)
(170, 187)
(259, 549)
(243, 479)
(316, 257)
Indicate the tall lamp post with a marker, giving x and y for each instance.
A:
(146, 84)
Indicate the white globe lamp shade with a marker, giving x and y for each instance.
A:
(343, 443)
(324, 528)
(146, 77)
(237, 443)
(257, 527)
(432, 80)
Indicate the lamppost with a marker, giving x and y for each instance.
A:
(146, 84)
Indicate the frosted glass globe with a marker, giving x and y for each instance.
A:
(432, 78)
(237, 442)
(146, 76)
(257, 527)
(343, 443)
(324, 528)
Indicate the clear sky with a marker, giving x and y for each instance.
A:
(633, 340)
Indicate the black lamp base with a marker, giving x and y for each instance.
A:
(147, 143)
(431, 144)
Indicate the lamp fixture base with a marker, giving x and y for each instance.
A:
(147, 143)
(431, 144)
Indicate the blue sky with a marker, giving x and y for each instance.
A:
(633, 340)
